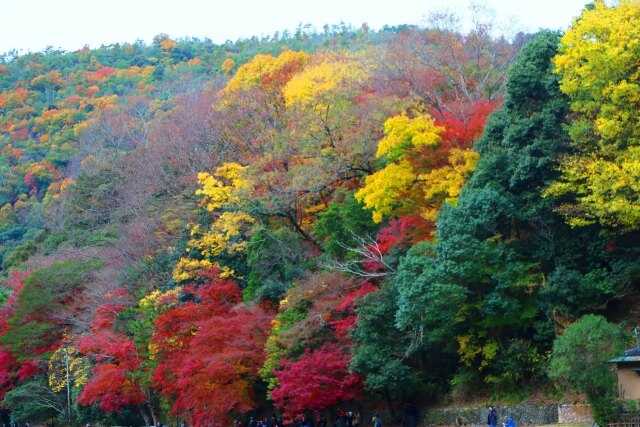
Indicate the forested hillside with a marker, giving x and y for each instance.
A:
(314, 221)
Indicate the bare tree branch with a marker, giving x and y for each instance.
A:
(368, 251)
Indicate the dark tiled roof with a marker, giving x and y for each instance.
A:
(632, 355)
(632, 352)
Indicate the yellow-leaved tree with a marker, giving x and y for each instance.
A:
(598, 63)
(317, 83)
(420, 173)
(68, 360)
(267, 73)
(223, 193)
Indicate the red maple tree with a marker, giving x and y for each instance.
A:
(320, 379)
(10, 369)
(112, 384)
(209, 352)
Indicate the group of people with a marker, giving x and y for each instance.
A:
(344, 419)
(266, 422)
(348, 418)
(492, 419)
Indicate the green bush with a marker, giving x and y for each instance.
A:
(578, 362)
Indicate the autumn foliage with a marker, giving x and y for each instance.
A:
(320, 379)
(307, 221)
(113, 383)
(209, 349)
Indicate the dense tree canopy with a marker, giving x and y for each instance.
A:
(307, 221)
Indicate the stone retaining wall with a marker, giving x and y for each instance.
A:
(575, 414)
(522, 415)
(477, 417)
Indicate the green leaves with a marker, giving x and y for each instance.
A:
(380, 353)
(43, 307)
(578, 361)
(338, 225)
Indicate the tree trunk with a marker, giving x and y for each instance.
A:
(144, 415)
(389, 400)
(153, 414)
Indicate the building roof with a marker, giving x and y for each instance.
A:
(632, 355)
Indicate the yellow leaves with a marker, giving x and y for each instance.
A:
(51, 80)
(598, 63)
(267, 71)
(598, 57)
(228, 65)
(79, 368)
(223, 235)
(226, 189)
(389, 188)
(57, 188)
(190, 268)
(383, 190)
(168, 44)
(447, 181)
(403, 133)
(470, 347)
(217, 193)
(150, 300)
(153, 299)
(409, 182)
(105, 101)
(606, 191)
(316, 80)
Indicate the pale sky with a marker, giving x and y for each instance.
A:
(32, 25)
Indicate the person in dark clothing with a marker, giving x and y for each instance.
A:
(492, 418)
(252, 422)
(410, 414)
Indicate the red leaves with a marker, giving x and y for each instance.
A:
(462, 129)
(7, 367)
(403, 232)
(10, 369)
(105, 72)
(320, 379)
(29, 180)
(342, 326)
(111, 388)
(20, 135)
(209, 352)
(111, 385)
(105, 316)
(27, 370)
